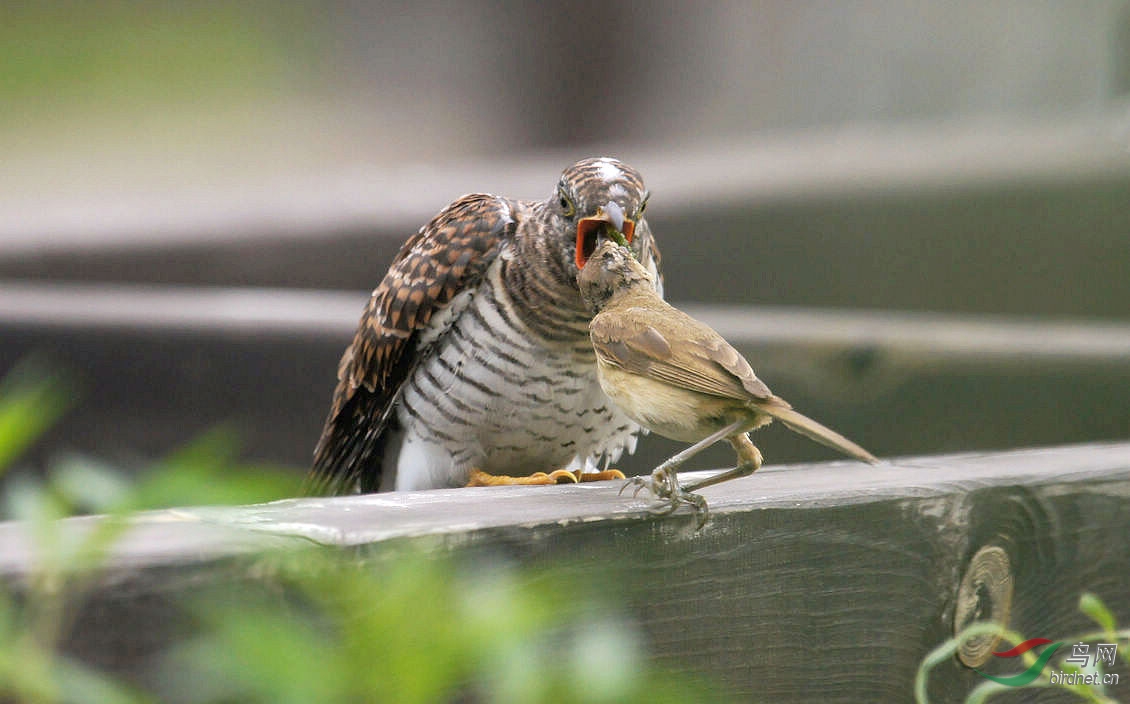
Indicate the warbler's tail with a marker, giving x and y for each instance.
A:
(804, 425)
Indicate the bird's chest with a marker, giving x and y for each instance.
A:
(495, 395)
(671, 411)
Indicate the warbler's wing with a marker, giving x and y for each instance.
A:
(446, 257)
(663, 343)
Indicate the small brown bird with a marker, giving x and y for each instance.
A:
(677, 377)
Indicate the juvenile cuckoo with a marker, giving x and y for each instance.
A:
(472, 360)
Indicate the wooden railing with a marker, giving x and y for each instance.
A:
(822, 582)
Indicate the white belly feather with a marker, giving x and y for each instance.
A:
(491, 396)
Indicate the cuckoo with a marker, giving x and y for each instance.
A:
(471, 364)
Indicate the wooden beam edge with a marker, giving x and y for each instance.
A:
(200, 534)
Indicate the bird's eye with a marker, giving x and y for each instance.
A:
(643, 206)
(566, 204)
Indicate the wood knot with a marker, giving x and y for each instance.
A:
(985, 595)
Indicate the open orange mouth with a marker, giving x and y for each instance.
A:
(592, 231)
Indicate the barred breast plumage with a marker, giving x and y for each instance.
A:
(473, 352)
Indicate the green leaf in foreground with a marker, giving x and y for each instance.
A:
(413, 628)
(207, 471)
(31, 401)
(1094, 607)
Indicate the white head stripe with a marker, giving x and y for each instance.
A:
(609, 171)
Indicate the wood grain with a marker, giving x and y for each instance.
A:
(824, 582)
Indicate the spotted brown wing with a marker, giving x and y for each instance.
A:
(448, 255)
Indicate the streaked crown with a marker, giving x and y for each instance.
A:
(598, 193)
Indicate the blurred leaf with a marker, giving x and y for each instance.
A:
(40, 511)
(89, 485)
(212, 450)
(387, 619)
(25, 675)
(83, 685)
(1094, 607)
(31, 401)
(607, 659)
(28, 501)
(206, 471)
(946, 651)
(269, 654)
(416, 629)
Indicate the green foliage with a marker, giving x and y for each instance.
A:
(1089, 604)
(309, 625)
(31, 401)
(414, 629)
(65, 561)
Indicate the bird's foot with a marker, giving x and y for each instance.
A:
(603, 476)
(657, 483)
(695, 501)
(560, 476)
(665, 486)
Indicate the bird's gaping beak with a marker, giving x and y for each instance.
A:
(592, 231)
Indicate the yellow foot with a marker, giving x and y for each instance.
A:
(560, 476)
(605, 476)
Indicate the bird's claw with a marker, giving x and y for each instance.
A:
(696, 502)
(665, 487)
(481, 478)
(640, 483)
(562, 476)
(658, 484)
(601, 476)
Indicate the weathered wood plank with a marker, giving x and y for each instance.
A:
(820, 582)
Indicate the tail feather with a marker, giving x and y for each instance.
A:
(809, 428)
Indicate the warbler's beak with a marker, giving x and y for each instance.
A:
(592, 231)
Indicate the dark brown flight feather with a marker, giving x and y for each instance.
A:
(448, 255)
